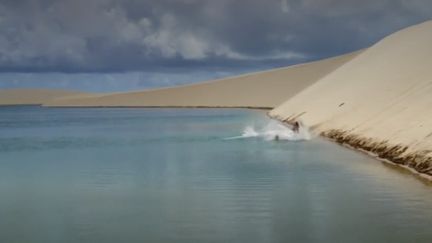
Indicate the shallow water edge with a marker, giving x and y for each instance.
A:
(418, 162)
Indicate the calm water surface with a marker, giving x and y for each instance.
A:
(167, 175)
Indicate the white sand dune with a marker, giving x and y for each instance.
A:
(258, 90)
(380, 101)
(33, 96)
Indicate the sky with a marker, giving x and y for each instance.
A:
(119, 45)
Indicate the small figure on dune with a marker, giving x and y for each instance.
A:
(276, 138)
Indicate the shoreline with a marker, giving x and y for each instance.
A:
(424, 178)
(150, 107)
(330, 136)
(13, 105)
(167, 107)
(418, 162)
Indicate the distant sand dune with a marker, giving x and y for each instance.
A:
(33, 96)
(258, 90)
(381, 101)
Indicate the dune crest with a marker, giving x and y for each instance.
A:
(257, 90)
(380, 101)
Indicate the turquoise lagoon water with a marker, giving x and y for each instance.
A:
(170, 175)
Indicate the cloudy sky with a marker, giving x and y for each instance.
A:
(107, 45)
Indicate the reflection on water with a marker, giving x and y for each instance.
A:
(151, 175)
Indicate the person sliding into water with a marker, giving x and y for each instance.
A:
(296, 127)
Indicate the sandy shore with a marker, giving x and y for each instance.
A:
(34, 96)
(257, 90)
(379, 102)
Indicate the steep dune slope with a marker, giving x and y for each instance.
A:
(264, 89)
(33, 96)
(381, 101)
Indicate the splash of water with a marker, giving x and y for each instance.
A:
(274, 130)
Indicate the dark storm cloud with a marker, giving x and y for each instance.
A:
(167, 35)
